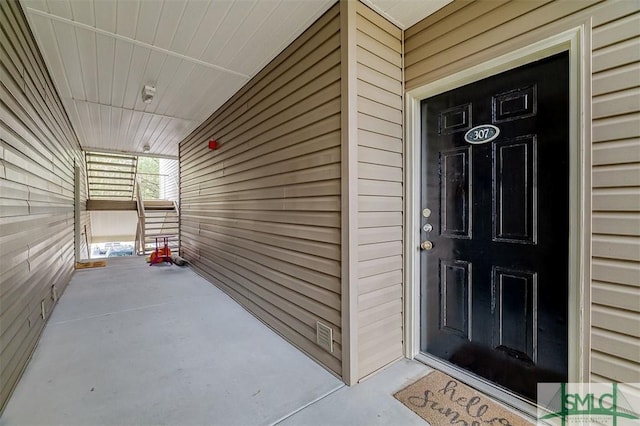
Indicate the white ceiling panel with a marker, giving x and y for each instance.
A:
(197, 54)
(125, 123)
(127, 17)
(207, 89)
(147, 21)
(40, 5)
(169, 18)
(194, 14)
(89, 62)
(180, 80)
(43, 31)
(67, 47)
(105, 15)
(121, 65)
(135, 75)
(208, 27)
(260, 13)
(93, 126)
(282, 36)
(79, 114)
(104, 127)
(82, 11)
(114, 131)
(225, 33)
(60, 8)
(105, 53)
(162, 80)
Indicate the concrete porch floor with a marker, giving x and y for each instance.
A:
(131, 344)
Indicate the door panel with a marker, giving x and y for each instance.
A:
(514, 292)
(455, 297)
(455, 210)
(514, 180)
(494, 281)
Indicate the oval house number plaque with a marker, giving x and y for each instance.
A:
(482, 134)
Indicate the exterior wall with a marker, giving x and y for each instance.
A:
(615, 311)
(260, 216)
(380, 190)
(464, 34)
(37, 153)
(110, 226)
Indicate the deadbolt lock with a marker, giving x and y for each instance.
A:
(427, 227)
(426, 212)
(426, 245)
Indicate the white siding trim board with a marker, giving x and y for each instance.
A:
(349, 214)
(380, 190)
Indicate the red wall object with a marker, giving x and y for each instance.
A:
(213, 144)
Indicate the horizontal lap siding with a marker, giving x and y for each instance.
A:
(37, 153)
(380, 190)
(615, 338)
(260, 216)
(465, 34)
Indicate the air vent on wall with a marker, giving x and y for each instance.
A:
(324, 336)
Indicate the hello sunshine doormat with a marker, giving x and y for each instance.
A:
(442, 400)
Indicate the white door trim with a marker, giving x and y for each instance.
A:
(577, 42)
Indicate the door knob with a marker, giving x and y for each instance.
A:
(426, 245)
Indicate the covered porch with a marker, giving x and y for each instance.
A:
(133, 344)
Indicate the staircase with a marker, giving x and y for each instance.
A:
(115, 185)
(160, 218)
(155, 218)
(111, 176)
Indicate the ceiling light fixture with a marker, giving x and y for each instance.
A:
(146, 148)
(148, 92)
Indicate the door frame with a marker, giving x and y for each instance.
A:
(577, 42)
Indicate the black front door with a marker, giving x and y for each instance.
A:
(495, 226)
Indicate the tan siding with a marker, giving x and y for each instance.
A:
(615, 295)
(260, 216)
(613, 366)
(616, 223)
(37, 153)
(616, 226)
(617, 152)
(380, 190)
(472, 43)
(464, 34)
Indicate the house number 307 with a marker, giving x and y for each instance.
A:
(482, 134)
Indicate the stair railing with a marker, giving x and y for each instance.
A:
(177, 185)
(140, 232)
(175, 206)
(135, 177)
